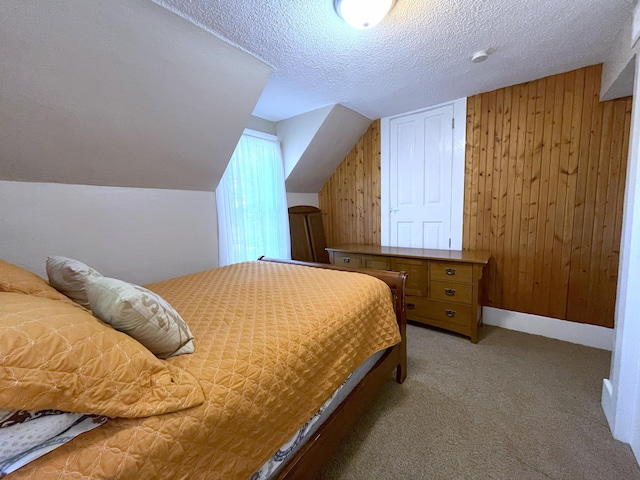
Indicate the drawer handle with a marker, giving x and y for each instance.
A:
(346, 259)
(450, 271)
(450, 313)
(410, 306)
(450, 291)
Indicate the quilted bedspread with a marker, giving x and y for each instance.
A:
(272, 342)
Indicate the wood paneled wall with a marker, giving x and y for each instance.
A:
(544, 187)
(350, 200)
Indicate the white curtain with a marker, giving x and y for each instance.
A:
(252, 203)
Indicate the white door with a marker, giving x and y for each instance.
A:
(420, 174)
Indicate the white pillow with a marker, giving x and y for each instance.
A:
(68, 277)
(141, 314)
(27, 435)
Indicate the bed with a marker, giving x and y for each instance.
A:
(227, 414)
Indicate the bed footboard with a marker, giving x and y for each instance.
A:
(396, 282)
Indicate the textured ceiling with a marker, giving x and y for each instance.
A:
(418, 56)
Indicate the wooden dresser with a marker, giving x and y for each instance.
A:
(444, 287)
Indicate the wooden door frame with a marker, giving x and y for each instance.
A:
(457, 174)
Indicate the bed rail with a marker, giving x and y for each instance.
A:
(318, 449)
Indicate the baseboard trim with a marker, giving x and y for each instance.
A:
(580, 333)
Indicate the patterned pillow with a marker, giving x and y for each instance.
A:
(14, 279)
(142, 314)
(27, 435)
(68, 276)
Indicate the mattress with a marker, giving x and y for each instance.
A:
(273, 343)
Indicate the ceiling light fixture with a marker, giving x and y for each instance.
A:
(363, 14)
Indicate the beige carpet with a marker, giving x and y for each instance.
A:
(514, 406)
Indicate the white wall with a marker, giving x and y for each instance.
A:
(136, 234)
(621, 391)
(294, 199)
(261, 125)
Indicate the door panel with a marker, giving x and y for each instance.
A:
(434, 161)
(432, 235)
(404, 233)
(407, 144)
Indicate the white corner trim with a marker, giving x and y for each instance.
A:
(635, 25)
(457, 173)
(580, 333)
(608, 405)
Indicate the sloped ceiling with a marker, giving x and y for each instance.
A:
(322, 148)
(119, 93)
(296, 133)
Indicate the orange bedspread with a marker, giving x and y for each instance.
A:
(273, 341)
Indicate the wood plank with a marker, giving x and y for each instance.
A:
(533, 210)
(341, 223)
(608, 277)
(596, 306)
(475, 172)
(577, 277)
(358, 180)
(367, 221)
(518, 190)
(488, 172)
(592, 222)
(513, 192)
(545, 206)
(493, 280)
(570, 117)
(555, 197)
(470, 159)
(504, 234)
(615, 257)
(326, 222)
(349, 202)
(524, 288)
(375, 182)
(481, 226)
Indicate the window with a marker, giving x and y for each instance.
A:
(252, 203)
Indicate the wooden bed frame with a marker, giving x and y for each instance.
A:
(314, 454)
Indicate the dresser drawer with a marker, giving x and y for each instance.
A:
(344, 258)
(417, 274)
(376, 262)
(452, 316)
(451, 292)
(452, 272)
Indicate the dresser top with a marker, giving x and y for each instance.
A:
(430, 254)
